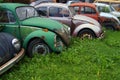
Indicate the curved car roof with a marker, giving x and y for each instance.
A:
(53, 4)
(37, 2)
(101, 4)
(11, 6)
(83, 4)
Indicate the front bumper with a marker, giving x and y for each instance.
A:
(11, 62)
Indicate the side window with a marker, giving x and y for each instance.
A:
(103, 9)
(76, 8)
(42, 11)
(58, 12)
(55, 12)
(87, 10)
(6, 17)
(99, 8)
(11, 17)
(3, 17)
(64, 12)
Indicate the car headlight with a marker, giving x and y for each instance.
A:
(16, 44)
(57, 41)
(62, 30)
(67, 29)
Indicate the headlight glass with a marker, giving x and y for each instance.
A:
(16, 44)
(67, 29)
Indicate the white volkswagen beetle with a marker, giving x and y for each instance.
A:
(81, 26)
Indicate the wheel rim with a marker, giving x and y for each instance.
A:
(86, 36)
(40, 49)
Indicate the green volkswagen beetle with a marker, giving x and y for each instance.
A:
(38, 35)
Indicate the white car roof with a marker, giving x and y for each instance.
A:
(101, 4)
(52, 4)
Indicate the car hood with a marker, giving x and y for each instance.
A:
(86, 19)
(42, 23)
(115, 13)
(7, 50)
(108, 15)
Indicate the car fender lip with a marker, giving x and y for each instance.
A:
(11, 62)
(94, 28)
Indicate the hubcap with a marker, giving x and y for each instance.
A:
(40, 49)
(86, 35)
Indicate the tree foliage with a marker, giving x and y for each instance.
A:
(1, 1)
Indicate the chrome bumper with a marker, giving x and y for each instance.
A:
(11, 62)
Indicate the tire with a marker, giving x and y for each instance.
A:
(86, 33)
(37, 46)
(110, 27)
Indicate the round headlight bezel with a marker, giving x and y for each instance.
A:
(16, 44)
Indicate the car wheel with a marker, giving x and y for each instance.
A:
(86, 33)
(37, 46)
(110, 27)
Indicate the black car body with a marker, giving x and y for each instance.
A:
(10, 51)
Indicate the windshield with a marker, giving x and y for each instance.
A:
(26, 12)
(116, 6)
(112, 8)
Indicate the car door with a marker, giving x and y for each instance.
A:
(9, 23)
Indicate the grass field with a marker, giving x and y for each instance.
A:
(83, 60)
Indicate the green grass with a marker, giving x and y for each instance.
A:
(83, 60)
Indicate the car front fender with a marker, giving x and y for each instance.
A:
(47, 36)
(94, 28)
